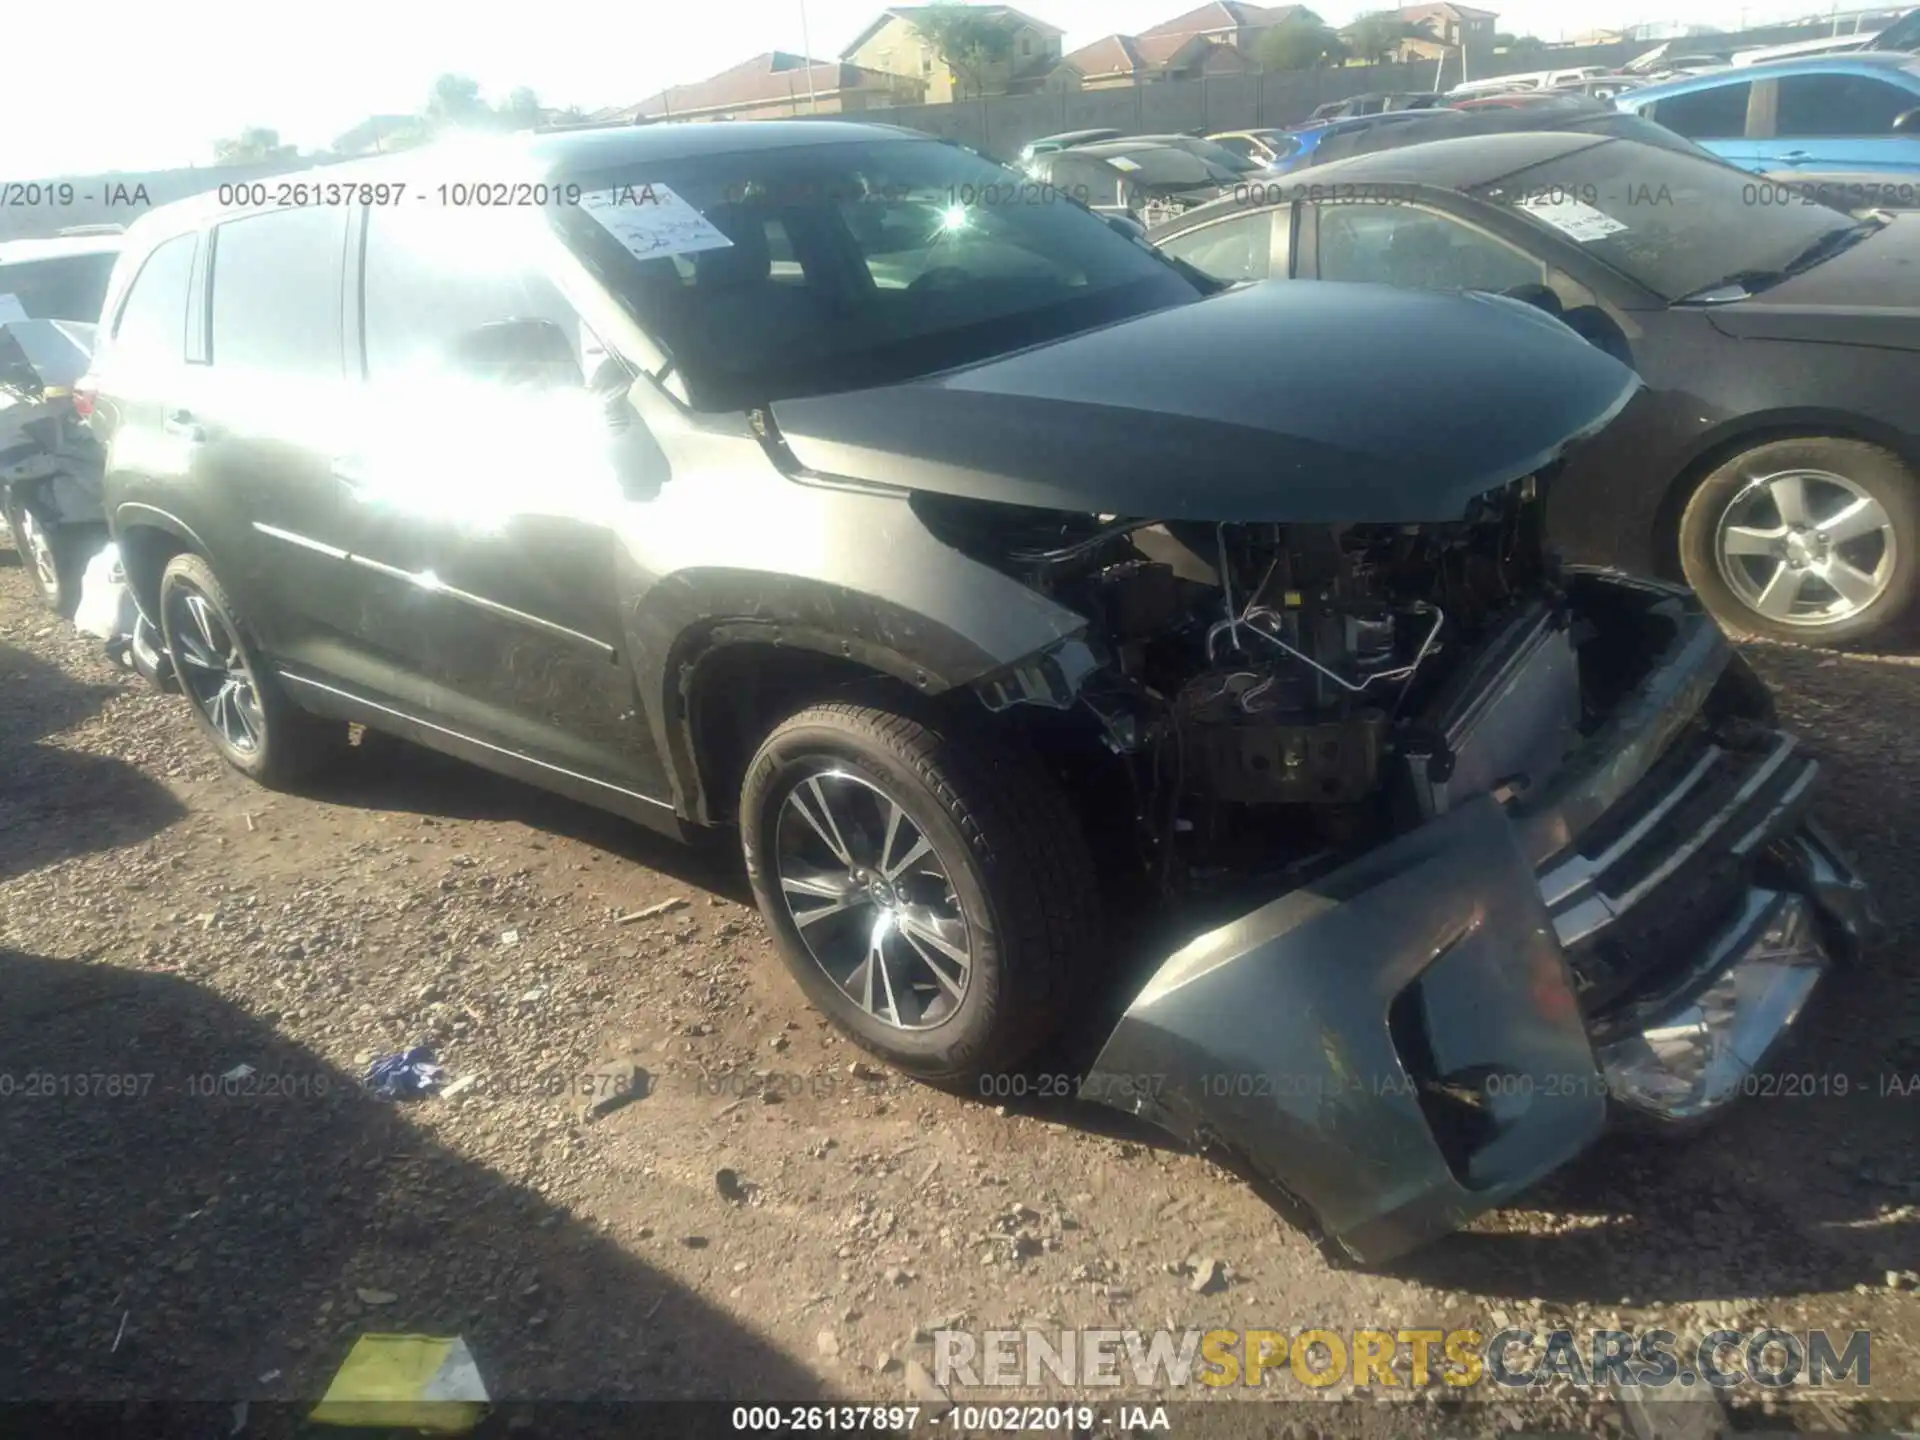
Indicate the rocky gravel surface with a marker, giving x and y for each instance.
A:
(656, 1173)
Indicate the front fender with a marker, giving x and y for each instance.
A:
(1398, 1045)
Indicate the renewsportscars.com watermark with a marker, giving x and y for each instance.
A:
(1165, 1360)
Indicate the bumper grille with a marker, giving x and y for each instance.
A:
(1641, 894)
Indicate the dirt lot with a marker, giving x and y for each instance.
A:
(162, 919)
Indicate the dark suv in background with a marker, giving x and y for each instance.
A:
(1003, 583)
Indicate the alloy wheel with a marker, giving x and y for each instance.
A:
(1806, 547)
(213, 670)
(46, 565)
(872, 900)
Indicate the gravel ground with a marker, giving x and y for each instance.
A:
(756, 1214)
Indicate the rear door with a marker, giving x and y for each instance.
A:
(259, 416)
(1839, 123)
(137, 367)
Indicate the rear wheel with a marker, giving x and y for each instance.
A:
(1809, 539)
(238, 703)
(51, 553)
(930, 889)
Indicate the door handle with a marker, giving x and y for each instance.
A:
(181, 425)
(349, 471)
(1796, 157)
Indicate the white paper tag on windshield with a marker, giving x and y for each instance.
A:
(1121, 162)
(652, 221)
(1574, 219)
(11, 309)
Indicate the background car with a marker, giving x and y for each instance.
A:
(1858, 113)
(1774, 460)
(1903, 35)
(1212, 151)
(1310, 138)
(1377, 102)
(1265, 147)
(1047, 144)
(1572, 114)
(1150, 180)
(51, 291)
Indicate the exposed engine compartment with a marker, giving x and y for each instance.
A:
(1311, 686)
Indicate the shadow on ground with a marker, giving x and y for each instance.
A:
(168, 1236)
(54, 802)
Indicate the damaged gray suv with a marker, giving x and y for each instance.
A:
(1012, 591)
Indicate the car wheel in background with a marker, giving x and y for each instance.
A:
(237, 701)
(51, 553)
(1808, 539)
(930, 889)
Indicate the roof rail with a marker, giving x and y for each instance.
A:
(102, 229)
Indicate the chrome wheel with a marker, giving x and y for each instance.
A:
(872, 901)
(40, 555)
(213, 670)
(1806, 547)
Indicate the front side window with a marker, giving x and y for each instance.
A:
(1813, 105)
(1232, 250)
(1419, 249)
(434, 276)
(830, 266)
(153, 321)
(276, 291)
(1717, 113)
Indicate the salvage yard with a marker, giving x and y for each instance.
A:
(661, 1174)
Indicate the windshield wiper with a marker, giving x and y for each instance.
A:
(1743, 283)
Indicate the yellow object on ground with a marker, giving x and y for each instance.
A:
(417, 1382)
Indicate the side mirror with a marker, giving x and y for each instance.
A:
(517, 352)
(1907, 122)
(1126, 225)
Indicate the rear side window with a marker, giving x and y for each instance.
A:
(153, 321)
(435, 275)
(73, 287)
(276, 291)
(1719, 113)
(1840, 105)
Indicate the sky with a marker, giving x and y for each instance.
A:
(153, 85)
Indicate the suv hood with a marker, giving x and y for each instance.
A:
(1289, 401)
(1868, 294)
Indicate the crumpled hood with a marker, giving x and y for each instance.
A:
(1290, 401)
(1868, 294)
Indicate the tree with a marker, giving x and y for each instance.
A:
(521, 109)
(1376, 37)
(455, 103)
(1299, 43)
(967, 40)
(252, 145)
(1526, 45)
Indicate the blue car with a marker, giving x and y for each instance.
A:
(1310, 136)
(1836, 113)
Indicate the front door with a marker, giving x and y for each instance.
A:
(482, 510)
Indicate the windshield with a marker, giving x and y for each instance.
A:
(801, 270)
(69, 287)
(1674, 223)
(1167, 168)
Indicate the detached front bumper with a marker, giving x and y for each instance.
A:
(1425, 1032)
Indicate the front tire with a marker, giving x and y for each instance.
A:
(235, 699)
(1815, 540)
(930, 889)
